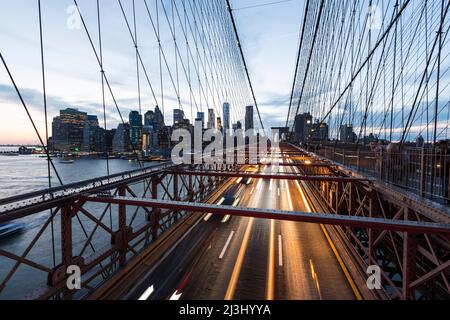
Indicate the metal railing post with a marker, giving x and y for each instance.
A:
(123, 242)
(422, 173)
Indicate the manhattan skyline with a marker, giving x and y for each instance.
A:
(71, 86)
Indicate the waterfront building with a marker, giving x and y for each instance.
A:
(68, 130)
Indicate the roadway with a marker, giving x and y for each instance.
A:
(252, 259)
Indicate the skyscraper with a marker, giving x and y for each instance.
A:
(302, 127)
(93, 135)
(159, 119)
(226, 116)
(211, 119)
(121, 142)
(149, 118)
(201, 117)
(68, 130)
(136, 129)
(178, 116)
(249, 125)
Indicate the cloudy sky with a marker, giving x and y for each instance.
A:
(269, 38)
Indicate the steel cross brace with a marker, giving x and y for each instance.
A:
(412, 227)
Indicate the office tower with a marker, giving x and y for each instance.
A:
(93, 135)
(159, 117)
(121, 140)
(319, 132)
(200, 117)
(149, 118)
(68, 130)
(226, 116)
(302, 127)
(249, 125)
(211, 119)
(135, 129)
(346, 134)
(108, 140)
(178, 116)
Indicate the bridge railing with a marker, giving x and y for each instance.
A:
(426, 172)
(63, 232)
(413, 266)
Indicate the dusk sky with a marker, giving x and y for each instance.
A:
(269, 38)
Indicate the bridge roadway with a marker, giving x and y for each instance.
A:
(247, 258)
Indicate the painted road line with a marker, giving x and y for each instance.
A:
(333, 248)
(239, 261)
(209, 215)
(175, 296)
(280, 251)
(227, 244)
(147, 293)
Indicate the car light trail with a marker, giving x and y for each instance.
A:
(240, 259)
(270, 285)
(291, 207)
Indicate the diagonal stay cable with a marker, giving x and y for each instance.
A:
(30, 117)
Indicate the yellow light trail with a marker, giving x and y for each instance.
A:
(270, 286)
(239, 261)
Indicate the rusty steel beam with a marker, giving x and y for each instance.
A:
(298, 165)
(411, 227)
(295, 177)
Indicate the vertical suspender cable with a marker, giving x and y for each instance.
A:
(44, 90)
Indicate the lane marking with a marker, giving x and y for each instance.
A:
(342, 264)
(333, 248)
(280, 251)
(228, 217)
(239, 261)
(175, 296)
(270, 285)
(227, 244)
(209, 215)
(147, 293)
